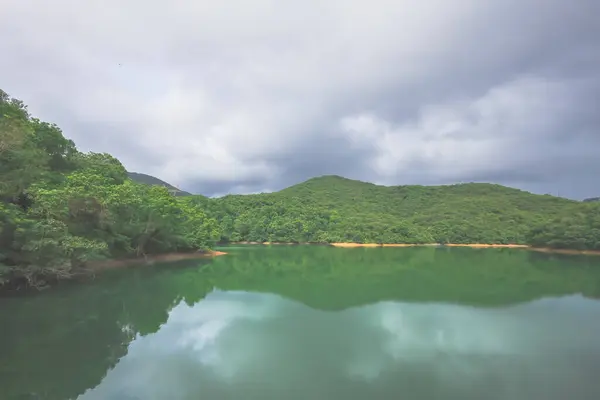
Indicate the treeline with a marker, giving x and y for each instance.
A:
(335, 209)
(60, 208)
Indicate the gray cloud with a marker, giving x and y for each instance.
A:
(246, 97)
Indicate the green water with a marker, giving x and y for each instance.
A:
(301, 322)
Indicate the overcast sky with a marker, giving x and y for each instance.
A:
(238, 96)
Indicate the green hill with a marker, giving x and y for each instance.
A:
(577, 229)
(61, 208)
(151, 180)
(336, 209)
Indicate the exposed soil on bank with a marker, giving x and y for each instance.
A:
(355, 245)
(280, 243)
(277, 243)
(509, 246)
(349, 245)
(427, 244)
(471, 245)
(475, 245)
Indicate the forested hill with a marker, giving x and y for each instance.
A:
(60, 208)
(336, 209)
(151, 180)
(592, 199)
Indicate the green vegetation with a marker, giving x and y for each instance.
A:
(578, 229)
(60, 208)
(335, 209)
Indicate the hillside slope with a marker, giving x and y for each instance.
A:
(578, 229)
(332, 208)
(151, 180)
(61, 208)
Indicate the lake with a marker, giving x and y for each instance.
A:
(314, 322)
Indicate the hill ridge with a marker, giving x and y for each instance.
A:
(336, 209)
(152, 180)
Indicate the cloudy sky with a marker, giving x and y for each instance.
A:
(238, 96)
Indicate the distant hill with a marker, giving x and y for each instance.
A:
(336, 209)
(592, 199)
(151, 180)
(333, 208)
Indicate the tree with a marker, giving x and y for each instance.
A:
(60, 208)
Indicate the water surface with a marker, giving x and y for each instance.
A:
(300, 322)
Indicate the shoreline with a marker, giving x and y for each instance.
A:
(90, 268)
(472, 245)
(351, 244)
(348, 245)
(475, 246)
(547, 250)
(565, 251)
(275, 243)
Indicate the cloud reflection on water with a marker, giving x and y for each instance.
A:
(253, 345)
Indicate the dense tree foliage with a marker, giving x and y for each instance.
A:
(335, 209)
(578, 229)
(60, 208)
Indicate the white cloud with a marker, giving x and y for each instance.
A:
(453, 139)
(240, 92)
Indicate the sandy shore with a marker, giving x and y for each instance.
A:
(510, 246)
(348, 245)
(479, 245)
(278, 243)
(471, 245)
(355, 245)
(475, 245)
